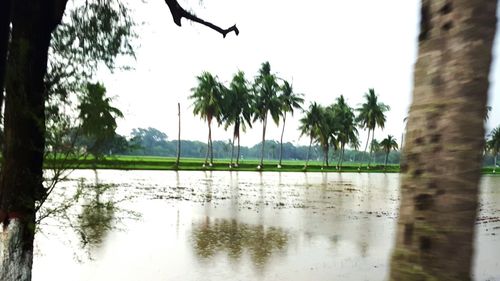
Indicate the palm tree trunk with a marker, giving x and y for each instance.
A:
(238, 156)
(495, 163)
(281, 141)
(371, 149)
(325, 153)
(439, 187)
(178, 136)
(4, 42)
(211, 143)
(366, 146)
(232, 146)
(208, 143)
(385, 162)
(341, 156)
(263, 142)
(308, 152)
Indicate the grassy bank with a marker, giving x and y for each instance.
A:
(196, 164)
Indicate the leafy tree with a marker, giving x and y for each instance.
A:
(387, 145)
(98, 118)
(347, 132)
(207, 102)
(289, 102)
(310, 125)
(238, 109)
(28, 42)
(266, 101)
(493, 145)
(371, 115)
(445, 137)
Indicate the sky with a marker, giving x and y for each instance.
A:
(326, 48)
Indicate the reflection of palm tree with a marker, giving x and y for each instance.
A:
(370, 115)
(221, 235)
(387, 145)
(207, 104)
(97, 217)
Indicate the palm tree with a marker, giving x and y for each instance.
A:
(309, 125)
(207, 102)
(442, 154)
(493, 145)
(370, 115)
(289, 102)
(327, 132)
(266, 102)
(387, 145)
(348, 133)
(237, 110)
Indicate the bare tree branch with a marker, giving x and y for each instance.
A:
(178, 13)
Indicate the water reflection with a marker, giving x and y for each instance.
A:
(235, 239)
(97, 216)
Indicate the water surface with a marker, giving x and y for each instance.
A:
(165, 225)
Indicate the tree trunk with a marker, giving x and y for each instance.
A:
(341, 156)
(385, 162)
(208, 144)
(4, 43)
(263, 142)
(211, 144)
(325, 155)
(178, 136)
(232, 146)
(371, 149)
(366, 146)
(308, 152)
(444, 140)
(21, 178)
(495, 163)
(238, 156)
(281, 141)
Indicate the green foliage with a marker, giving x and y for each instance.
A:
(207, 97)
(266, 90)
(389, 144)
(98, 117)
(493, 141)
(371, 113)
(289, 99)
(237, 104)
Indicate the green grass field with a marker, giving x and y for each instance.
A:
(196, 164)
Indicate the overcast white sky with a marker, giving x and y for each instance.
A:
(327, 48)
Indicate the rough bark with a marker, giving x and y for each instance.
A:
(21, 175)
(442, 152)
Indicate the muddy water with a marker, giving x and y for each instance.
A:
(163, 225)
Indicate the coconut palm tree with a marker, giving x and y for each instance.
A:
(266, 102)
(207, 102)
(237, 110)
(493, 145)
(439, 188)
(310, 124)
(371, 115)
(347, 133)
(327, 132)
(289, 102)
(387, 145)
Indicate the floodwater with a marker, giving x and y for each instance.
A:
(165, 225)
